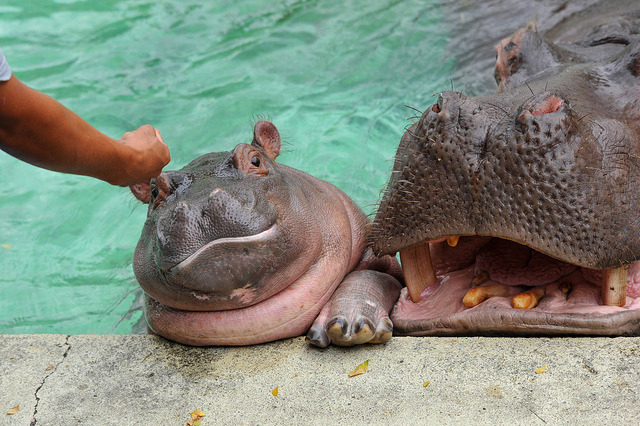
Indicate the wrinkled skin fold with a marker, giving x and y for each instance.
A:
(541, 183)
(238, 249)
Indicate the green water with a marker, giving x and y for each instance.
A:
(334, 77)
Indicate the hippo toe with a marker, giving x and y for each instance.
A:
(358, 312)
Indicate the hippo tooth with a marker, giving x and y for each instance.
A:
(477, 295)
(453, 241)
(614, 286)
(528, 299)
(417, 269)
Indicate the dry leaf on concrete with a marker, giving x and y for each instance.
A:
(195, 418)
(360, 369)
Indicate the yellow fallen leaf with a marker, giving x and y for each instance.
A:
(7, 246)
(49, 367)
(275, 391)
(425, 384)
(195, 418)
(13, 410)
(360, 369)
(541, 369)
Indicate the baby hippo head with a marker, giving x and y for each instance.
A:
(216, 228)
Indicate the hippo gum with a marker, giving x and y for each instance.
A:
(238, 249)
(518, 213)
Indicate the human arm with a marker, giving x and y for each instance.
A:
(39, 130)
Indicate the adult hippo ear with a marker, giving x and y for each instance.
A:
(266, 136)
(522, 56)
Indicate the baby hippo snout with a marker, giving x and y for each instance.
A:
(187, 226)
(178, 234)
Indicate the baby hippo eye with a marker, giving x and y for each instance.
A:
(154, 188)
(255, 161)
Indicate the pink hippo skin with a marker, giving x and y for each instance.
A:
(238, 249)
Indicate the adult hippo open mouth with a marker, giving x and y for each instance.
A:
(518, 213)
(238, 249)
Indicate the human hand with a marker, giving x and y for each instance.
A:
(149, 155)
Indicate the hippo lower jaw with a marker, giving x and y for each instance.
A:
(257, 315)
(491, 286)
(288, 313)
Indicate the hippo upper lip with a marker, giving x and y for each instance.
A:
(264, 235)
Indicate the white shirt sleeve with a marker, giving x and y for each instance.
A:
(5, 70)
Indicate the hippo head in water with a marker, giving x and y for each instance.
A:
(238, 249)
(519, 212)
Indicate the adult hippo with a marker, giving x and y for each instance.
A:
(519, 212)
(238, 249)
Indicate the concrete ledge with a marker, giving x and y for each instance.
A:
(140, 379)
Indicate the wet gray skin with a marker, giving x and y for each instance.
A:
(551, 163)
(238, 249)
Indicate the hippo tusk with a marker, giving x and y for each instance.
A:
(528, 299)
(614, 286)
(417, 269)
(453, 241)
(477, 295)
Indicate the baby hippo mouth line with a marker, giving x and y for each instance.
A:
(265, 235)
(476, 277)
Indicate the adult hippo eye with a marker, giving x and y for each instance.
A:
(255, 161)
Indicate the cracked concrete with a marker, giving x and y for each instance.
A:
(139, 379)
(51, 368)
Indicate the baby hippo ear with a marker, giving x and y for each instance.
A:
(266, 136)
(141, 191)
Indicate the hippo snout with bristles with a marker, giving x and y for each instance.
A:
(519, 212)
(238, 249)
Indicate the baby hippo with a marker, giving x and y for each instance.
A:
(238, 249)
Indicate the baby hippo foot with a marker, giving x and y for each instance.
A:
(358, 312)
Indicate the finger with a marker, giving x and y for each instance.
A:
(146, 128)
(159, 136)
